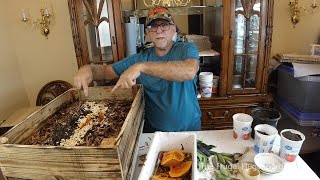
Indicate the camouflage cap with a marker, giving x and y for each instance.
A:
(159, 13)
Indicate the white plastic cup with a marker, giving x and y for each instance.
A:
(242, 126)
(264, 143)
(206, 90)
(203, 74)
(205, 77)
(201, 81)
(289, 149)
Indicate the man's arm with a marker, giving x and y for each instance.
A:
(88, 73)
(172, 71)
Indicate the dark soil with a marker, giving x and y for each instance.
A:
(264, 133)
(292, 136)
(62, 124)
(266, 114)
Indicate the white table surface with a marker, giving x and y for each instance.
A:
(225, 143)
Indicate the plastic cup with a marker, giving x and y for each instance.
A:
(201, 81)
(205, 77)
(290, 146)
(215, 80)
(203, 74)
(242, 126)
(206, 90)
(214, 90)
(264, 137)
(264, 115)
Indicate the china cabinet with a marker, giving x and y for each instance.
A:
(246, 44)
(239, 30)
(96, 31)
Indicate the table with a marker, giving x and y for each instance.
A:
(225, 143)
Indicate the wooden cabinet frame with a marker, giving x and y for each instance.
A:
(230, 100)
(78, 28)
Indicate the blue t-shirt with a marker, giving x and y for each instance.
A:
(169, 105)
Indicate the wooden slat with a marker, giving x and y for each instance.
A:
(126, 147)
(2, 177)
(52, 162)
(64, 162)
(33, 123)
(67, 175)
(136, 149)
(132, 113)
(105, 93)
(128, 134)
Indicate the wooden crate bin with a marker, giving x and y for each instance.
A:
(52, 162)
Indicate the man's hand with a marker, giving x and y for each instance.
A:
(83, 78)
(128, 77)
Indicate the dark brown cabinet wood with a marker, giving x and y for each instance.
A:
(217, 112)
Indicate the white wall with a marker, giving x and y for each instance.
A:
(287, 39)
(42, 60)
(27, 59)
(12, 92)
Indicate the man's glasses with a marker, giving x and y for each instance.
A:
(163, 27)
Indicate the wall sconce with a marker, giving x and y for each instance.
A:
(295, 10)
(42, 24)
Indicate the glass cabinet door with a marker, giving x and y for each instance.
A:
(97, 29)
(246, 56)
(94, 26)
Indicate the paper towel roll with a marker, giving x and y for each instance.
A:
(141, 26)
(131, 38)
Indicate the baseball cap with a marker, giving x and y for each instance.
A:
(159, 13)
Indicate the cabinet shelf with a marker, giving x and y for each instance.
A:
(210, 52)
(178, 10)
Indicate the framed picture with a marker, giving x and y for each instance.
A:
(315, 49)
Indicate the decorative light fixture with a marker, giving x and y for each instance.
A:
(42, 24)
(295, 10)
(167, 3)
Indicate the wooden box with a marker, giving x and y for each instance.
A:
(115, 161)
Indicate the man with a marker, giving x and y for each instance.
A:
(167, 71)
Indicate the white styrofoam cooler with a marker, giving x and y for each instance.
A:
(167, 141)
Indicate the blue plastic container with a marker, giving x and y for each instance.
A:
(302, 93)
(301, 118)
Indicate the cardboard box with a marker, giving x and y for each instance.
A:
(115, 161)
(167, 141)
